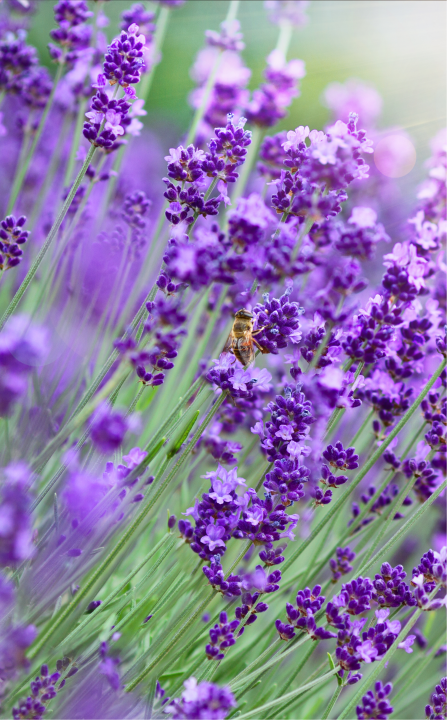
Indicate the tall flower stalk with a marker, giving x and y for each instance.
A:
(222, 410)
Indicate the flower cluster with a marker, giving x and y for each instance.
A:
(72, 35)
(42, 690)
(375, 703)
(108, 117)
(270, 102)
(438, 709)
(12, 235)
(202, 701)
(302, 617)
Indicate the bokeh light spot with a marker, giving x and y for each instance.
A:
(395, 155)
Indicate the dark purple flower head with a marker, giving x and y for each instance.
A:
(301, 617)
(12, 235)
(202, 701)
(338, 457)
(438, 709)
(279, 321)
(123, 59)
(230, 587)
(210, 257)
(42, 690)
(290, 418)
(185, 164)
(227, 150)
(341, 565)
(72, 36)
(356, 595)
(330, 480)
(221, 637)
(286, 632)
(390, 590)
(34, 87)
(286, 480)
(71, 12)
(374, 705)
(16, 59)
(433, 567)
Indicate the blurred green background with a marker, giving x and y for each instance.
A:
(399, 46)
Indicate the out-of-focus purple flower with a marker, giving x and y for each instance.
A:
(229, 37)
(270, 102)
(294, 11)
(108, 429)
(138, 15)
(249, 221)
(341, 565)
(202, 701)
(353, 96)
(15, 519)
(73, 35)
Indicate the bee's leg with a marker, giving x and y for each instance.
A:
(259, 330)
(263, 350)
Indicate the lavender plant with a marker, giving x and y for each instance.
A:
(163, 488)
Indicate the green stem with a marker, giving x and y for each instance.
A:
(285, 36)
(273, 703)
(294, 675)
(50, 173)
(200, 112)
(362, 427)
(335, 507)
(160, 32)
(51, 235)
(250, 158)
(127, 535)
(405, 527)
(339, 412)
(169, 539)
(80, 418)
(75, 144)
(179, 634)
(332, 702)
(23, 168)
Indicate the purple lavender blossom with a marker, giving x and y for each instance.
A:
(270, 101)
(438, 709)
(108, 430)
(12, 235)
(73, 35)
(15, 526)
(341, 565)
(375, 703)
(293, 11)
(42, 690)
(202, 701)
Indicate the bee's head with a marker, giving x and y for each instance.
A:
(246, 314)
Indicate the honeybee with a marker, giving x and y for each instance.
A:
(241, 339)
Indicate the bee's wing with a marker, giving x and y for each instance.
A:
(245, 350)
(228, 347)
